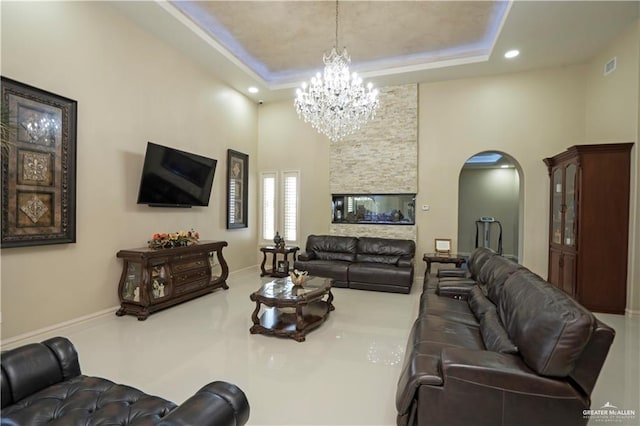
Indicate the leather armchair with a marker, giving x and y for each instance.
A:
(41, 383)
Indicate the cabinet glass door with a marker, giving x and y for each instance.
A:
(131, 288)
(556, 207)
(570, 206)
(159, 283)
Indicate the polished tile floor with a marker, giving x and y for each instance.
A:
(344, 374)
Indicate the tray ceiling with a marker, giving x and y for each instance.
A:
(275, 45)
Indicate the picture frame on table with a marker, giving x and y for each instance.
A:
(237, 189)
(443, 246)
(39, 131)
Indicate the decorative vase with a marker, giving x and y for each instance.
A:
(298, 277)
(277, 239)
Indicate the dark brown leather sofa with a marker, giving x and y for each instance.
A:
(517, 351)
(42, 385)
(365, 263)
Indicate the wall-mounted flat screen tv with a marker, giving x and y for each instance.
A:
(174, 178)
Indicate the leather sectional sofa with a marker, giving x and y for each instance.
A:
(499, 346)
(42, 384)
(364, 263)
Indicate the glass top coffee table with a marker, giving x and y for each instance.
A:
(291, 311)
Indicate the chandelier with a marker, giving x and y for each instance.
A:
(336, 103)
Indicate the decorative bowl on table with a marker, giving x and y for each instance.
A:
(298, 277)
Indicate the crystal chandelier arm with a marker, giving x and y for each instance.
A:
(337, 25)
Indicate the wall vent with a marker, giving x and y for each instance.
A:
(610, 66)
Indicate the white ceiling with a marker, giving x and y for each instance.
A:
(275, 45)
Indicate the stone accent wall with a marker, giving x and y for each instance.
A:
(380, 158)
(404, 232)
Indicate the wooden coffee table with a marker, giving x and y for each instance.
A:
(291, 311)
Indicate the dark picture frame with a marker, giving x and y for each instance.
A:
(237, 189)
(38, 166)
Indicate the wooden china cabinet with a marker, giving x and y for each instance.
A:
(589, 224)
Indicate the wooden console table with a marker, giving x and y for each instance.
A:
(284, 251)
(154, 279)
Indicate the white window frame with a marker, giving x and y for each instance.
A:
(283, 205)
(263, 176)
(279, 205)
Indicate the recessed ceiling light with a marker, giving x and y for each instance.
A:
(511, 53)
(253, 89)
(504, 166)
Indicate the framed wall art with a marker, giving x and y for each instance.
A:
(38, 166)
(237, 189)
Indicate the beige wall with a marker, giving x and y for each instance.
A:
(130, 89)
(288, 143)
(612, 115)
(528, 116)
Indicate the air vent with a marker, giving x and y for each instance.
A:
(610, 66)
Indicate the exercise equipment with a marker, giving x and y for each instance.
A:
(485, 222)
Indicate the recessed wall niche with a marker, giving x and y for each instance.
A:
(380, 158)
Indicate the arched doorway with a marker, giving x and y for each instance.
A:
(490, 204)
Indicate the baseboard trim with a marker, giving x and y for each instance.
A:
(45, 332)
(42, 333)
(248, 268)
(630, 313)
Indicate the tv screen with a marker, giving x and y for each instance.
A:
(174, 178)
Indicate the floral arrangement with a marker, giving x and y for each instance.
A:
(174, 239)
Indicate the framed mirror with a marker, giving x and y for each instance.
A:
(443, 246)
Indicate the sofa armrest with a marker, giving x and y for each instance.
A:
(498, 372)
(452, 273)
(457, 289)
(66, 354)
(33, 367)
(405, 261)
(307, 255)
(216, 404)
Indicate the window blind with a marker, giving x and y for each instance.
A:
(268, 206)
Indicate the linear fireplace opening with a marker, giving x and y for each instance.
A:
(383, 209)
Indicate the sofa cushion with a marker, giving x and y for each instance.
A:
(549, 328)
(477, 259)
(446, 307)
(494, 335)
(332, 247)
(377, 258)
(493, 275)
(455, 288)
(335, 269)
(384, 250)
(87, 400)
(380, 273)
(478, 303)
(429, 336)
